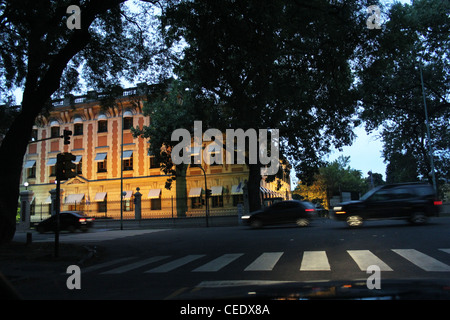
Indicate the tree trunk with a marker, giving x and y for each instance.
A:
(12, 152)
(38, 89)
(253, 184)
(181, 195)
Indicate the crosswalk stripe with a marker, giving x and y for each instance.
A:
(135, 265)
(310, 261)
(265, 262)
(218, 263)
(365, 258)
(105, 264)
(422, 260)
(238, 283)
(175, 264)
(315, 261)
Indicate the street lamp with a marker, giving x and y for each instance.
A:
(26, 184)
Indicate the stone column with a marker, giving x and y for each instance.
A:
(137, 204)
(25, 209)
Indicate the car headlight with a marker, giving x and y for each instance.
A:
(337, 208)
(245, 217)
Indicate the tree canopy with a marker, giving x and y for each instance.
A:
(43, 57)
(335, 177)
(277, 64)
(415, 37)
(311, 69)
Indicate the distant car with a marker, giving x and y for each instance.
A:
(410, 201)
(283, 212)
(68, 220)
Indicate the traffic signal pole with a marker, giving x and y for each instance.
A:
(58, 205)
(65, 169)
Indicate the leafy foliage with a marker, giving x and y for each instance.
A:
(120, 44)
(333, 178)
(277, 64)
(415, 37)
(40, 55)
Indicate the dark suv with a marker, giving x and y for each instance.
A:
(411, 201)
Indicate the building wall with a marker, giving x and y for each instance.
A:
(92, 182)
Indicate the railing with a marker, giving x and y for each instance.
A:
(150, 209)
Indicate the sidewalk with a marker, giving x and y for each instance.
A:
(22, 264)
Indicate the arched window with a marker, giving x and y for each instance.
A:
(54, 127)
(78, 126)
(127, 120)
(102, 123)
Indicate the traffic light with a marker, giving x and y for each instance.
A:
(208, 193)
(65, 168)
(66, 136)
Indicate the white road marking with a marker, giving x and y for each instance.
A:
(175, 264)
(422, 260)
(135, 265)
(365, 258)
(105, 264)
(219, 263)
(315, 261)
(264, 262)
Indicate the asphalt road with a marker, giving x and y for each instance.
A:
(188, 262)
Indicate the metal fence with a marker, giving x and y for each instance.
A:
(39, 211)
(150, 208)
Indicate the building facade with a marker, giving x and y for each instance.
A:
(112, 163)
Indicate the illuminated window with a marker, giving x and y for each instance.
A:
(101, 159)
(217, 201)
(127, 160)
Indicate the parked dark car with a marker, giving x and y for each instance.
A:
(415, 202)
(68, 220)
(289, 211)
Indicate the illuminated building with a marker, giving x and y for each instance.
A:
(97, 143)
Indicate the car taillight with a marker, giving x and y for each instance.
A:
(82, 220)
(438, 203)
(309, 210)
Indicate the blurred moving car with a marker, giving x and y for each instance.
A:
(411, 201)
(289, 211)
(68, 220)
